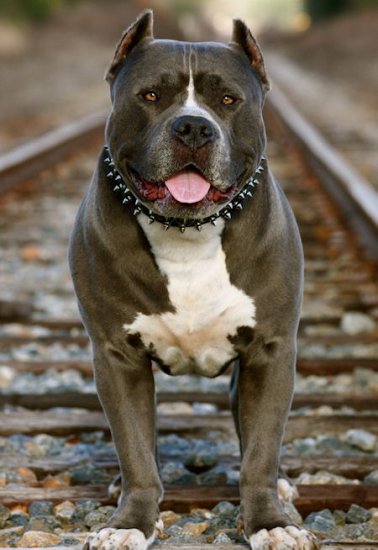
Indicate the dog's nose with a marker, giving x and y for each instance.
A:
(194, 131)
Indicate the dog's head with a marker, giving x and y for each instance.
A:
(186, 130)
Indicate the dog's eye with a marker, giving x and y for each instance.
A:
(228, 100)
(150, 96)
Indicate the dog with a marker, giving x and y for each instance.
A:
(185, 252)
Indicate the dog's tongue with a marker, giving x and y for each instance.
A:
(188, 187)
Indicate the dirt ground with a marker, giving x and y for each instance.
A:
(53, 72)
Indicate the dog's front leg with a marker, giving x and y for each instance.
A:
(125, 385)
(263, 397)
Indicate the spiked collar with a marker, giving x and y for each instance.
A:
(128, 198)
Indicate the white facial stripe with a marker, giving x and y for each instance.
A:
(191, 106)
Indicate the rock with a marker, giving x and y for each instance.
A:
(174, 530)
(9, 536)
(26, 474)
(222, 538)
(195, 529)
(19, 519)
(339, 516)
(361, 439)
(357, 514)
(83, 507)
(5, 514)
(7, 375)
(88, 474)
(322, 521)
(99, 516)
(324, 478)
(354, 322)
(44, 523)
(372, 478)
(169, 518)
(292, 512)
(40, 508)
(176, 473)
(217, 476)
(224, 508)
(199, 463)
(38, 539)
(64, 511)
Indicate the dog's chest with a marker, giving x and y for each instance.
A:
(208, 309)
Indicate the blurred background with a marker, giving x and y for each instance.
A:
(322, 53)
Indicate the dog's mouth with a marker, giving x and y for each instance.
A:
(188, 187)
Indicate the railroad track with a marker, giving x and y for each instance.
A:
(54, 440)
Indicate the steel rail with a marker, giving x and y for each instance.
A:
(350, 190)
(27, 160)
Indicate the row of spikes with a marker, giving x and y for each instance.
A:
(226, 213)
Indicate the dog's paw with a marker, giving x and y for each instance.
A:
(284, 538)
(119, 539)
(286, 491)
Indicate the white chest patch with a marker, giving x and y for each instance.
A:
(208, 308)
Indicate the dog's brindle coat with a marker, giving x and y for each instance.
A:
(192, 301)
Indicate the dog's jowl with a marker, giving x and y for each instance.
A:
(185, 252)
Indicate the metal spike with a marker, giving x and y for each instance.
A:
(118, 178)
(239, 206)
(166, 226)
(137, 202)
(227, 215)
(182, 228)
(109, 174)
(260, 170)
(126, 200)
(107, 160)
(199, 226)
(242, 194)
(251, 183)
(116, 188)
(151, 220)
(213, 220)
(249, 194)
(137, 211)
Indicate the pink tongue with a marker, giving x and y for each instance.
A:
(188, 187)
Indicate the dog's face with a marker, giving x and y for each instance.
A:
(186, 129)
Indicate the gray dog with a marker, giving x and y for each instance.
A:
(185, 252)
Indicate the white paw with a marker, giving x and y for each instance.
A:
(286, 491)
(119, 539)
(280, 538)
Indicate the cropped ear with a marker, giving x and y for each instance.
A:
(242, 37)
(142, 28)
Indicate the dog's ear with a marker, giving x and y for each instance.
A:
(242, 37)
(141, 29)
